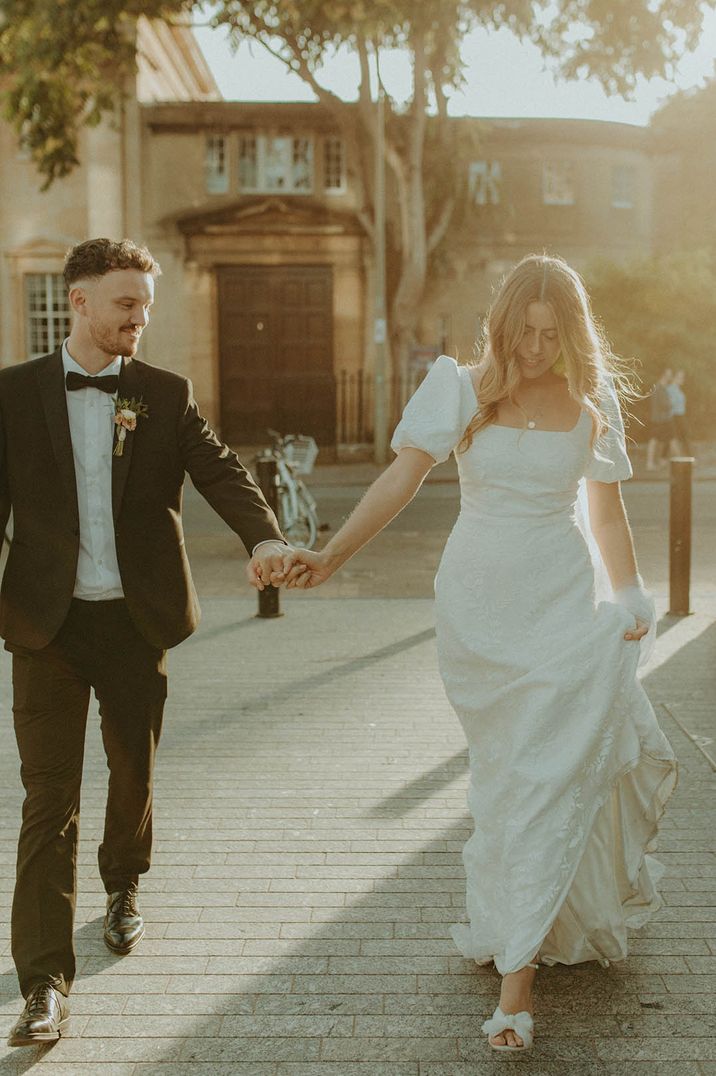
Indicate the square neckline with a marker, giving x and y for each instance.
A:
(520, 429)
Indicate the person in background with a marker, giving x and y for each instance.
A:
(680, 441)
(662, 425)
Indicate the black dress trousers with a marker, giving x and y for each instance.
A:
(98, 647)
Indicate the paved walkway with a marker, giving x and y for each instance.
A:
(310, 817)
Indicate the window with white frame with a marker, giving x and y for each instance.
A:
(485, 180)
(334, 164)
(47, 312)
(558, 183)
(623, 186)
(216, 164)
(272, 163)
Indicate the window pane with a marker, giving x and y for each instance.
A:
(215, 163)
(248, 171)
(485, 179)
(302, 161)
(333, 164)
(48, 317)
(558, 183)
(277, 164)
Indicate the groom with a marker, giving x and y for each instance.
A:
(94, 446)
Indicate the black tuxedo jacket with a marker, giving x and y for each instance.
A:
(37, 482)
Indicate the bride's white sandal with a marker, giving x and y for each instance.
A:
(521, 1023)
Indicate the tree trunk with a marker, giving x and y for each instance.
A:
(405, 311)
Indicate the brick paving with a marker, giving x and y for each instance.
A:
(310, 816)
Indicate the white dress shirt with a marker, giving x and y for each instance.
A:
(91, 415)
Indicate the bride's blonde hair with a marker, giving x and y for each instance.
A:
(585, 357)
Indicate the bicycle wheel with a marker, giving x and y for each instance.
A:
(303, 529)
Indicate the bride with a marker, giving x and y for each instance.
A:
(538, 644)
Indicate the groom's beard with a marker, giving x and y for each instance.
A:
(115, 341)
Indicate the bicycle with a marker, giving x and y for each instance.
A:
(295, 455)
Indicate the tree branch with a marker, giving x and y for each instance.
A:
(440, 101)
(260, 30)
(439, 229)
(341, 110)
(365, 100)
(368, 223)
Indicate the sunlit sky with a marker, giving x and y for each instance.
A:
(503, 78)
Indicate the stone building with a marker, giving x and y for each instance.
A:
(103, 196)
(265, 299)
(583, 189)
(250, 212)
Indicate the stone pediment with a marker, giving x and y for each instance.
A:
(42, 247)
(266, 215)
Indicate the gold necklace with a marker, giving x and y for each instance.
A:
(532, 422)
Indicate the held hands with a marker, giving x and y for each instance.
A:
(303, 569)
(267, 560)
(280, 565)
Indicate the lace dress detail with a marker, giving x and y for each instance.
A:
(569, 770)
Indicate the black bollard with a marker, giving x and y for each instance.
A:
(680, 535)
(267, 478)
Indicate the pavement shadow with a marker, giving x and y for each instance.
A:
(415, 965)
(24, 1058)
(666, 623)
(438, 984)
(266, 699)
(101, 956)
(207, 635)
(687, 680)
(692, 664)
(429, 783)
(448, 986)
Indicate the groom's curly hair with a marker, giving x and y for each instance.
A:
(96, 257)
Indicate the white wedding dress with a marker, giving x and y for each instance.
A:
(569, 770)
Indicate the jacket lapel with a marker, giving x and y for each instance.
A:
(130, 387)
(51, 380)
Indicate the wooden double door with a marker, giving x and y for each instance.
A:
(276, 352)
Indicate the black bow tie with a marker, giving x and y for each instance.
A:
(105, 383)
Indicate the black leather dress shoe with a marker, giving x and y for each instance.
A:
(123, 924)
(44, 1018)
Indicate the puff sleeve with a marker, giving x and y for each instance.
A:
(608, 460)
(436, 415)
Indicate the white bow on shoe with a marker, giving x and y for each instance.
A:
(521, 1023)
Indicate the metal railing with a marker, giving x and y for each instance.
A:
(355, 403)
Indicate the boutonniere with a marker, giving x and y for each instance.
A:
(126, 413)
